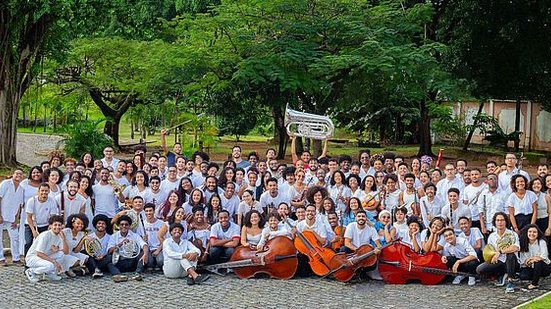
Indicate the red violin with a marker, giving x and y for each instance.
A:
(398, 264)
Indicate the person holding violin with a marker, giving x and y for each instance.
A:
(251, 232)
(459, 255)
(310, 223)
(504, 263)
(224, 238)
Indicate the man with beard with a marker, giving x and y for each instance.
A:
(156, 196)
(389, 163)
(542, 170)
(490, 202)
(472, 193)
(317, 227)
(236, 157)
(97, 263)
(310, 178)
(70, 202)
(271, 198)
(181, 167)
(211, 187)
(170, 155)
(344, 163)
(365, 167)
(106, 201)
(118, 176)
(224, 238)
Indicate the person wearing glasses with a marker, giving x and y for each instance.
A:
(511, 169)
(108, 160)
(171, 182)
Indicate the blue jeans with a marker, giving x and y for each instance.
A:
(219, 254)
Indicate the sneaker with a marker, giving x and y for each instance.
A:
(458, 279)
(120, 278)
(3, 263)
(510, 288)
(17, 263)
(70, 273)
(201, 278)
(53, 276)
(472, 281)
(97, 273)
(501, 280)
(190, 281)
(31, 276)
(137, 277)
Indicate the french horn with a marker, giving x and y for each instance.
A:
(129, 250)
(489, 250)
(308, 125)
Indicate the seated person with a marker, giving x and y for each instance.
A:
(180, 257)
(473, 235)
(124, 243)
(272, 230)
(224, 238)
(534, 257)
(431, 237)
(49, 253)
(459, 255)
(412, 236)
(98, 263)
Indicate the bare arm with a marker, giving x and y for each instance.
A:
(324, 151)
(293, 149)
(163, 141)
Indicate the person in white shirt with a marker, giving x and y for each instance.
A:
(450, 181)
(534, 257)
(224, 238)
(124, 264)
(473, 235)
(317, 227)
(338, 191)
(522, 204)
(97, 263)
(505, 262)
(459, 255)
(171, 182)
(270, 199)
(272, 230)
(454, 209)
(108, 159)
(70, 202)
(430, 205)
(412, 235)
(511, 170)
(156, 196)
(106, 201)
(365, 168)
(49, 253)
(152, 227)
(180, 257)
(491, 201)
(38, 210)
(74, 235)
(230, 200)
(471, 195)
(11, 202)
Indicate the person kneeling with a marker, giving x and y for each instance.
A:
(49, 253)
(459, 255)
(180, 257)
(534, 257)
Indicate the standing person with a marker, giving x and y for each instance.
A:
(459, 255)
(454, 209)
(504, 263)
(108, 160)
(119, 239)
(171, 182)
(491, 201)
(49, 254)
(104, 196)
(248, 204)
(338, 191)
(236, 157)
(408, 198)
(152, 226)
(86, 192)
(430, 205)
(271, 198)
(170, 155)
(230, 200)
(180, 257)
(522, 204)
(11, 202)
(534, 257)
(543, 219)
(450, 181)
(70, 202)
(156, 195)
(471, 195)
(510, 171)
(224, 238)
(365, 168)
(38, 210)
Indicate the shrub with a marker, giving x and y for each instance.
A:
(85, 137)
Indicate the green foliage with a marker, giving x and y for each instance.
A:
(84, 137)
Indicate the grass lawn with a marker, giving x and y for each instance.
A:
(543, 303)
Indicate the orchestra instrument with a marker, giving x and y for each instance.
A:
(278, 260)
(92, 246)
(365, 256)
(307, 125)
(370, 201)
(319, 256)
(439, 159)
(129, 250)
(135, 220)
(117, 189)
(502, 243)
(339, 230)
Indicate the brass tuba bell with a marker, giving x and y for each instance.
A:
(308, 125)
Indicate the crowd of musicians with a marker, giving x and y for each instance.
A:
(163, 211)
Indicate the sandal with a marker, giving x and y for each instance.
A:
(532, 287)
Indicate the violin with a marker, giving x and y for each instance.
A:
(278, 260)
(339, 230)
(398, 264)
(319, 257)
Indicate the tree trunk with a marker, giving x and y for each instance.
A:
(112, 116)
(112, 127)
(9, 105)
(475, 124)
(425, 143)
(316, 148)
(517, 124)
(280, 131)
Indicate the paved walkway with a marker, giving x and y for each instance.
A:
(33, 148)
(155, 291)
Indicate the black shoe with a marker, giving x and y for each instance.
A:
(201, 278)
(190, 281)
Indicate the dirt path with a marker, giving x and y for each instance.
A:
(33, 148)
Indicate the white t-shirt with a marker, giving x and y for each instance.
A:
(522, 206)
(358, 236)
(152, 230)
(470, 195)
(29, 190)
(461, 211)
(460, 249)
(267, 200)
(427, 207)
(44, 243)
(504, 179)
(104, 242)
(41, 211)
(133, 191)
(232, 232)
(336, 192)
(156, 198)
(474, 236)
(11, 199)
(231, 204)
(167, 185)
(319, 227)
(441, 241)
(72, 206)
(510, 235)
(106, 202)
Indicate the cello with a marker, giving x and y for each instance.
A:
(278, 260)
(339, 230)
(398, 264)
(319, 257)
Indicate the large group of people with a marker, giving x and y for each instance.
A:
(163, 211)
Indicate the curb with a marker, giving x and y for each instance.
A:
(533, 300)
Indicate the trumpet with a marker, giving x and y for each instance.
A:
(117, 189)
(308, 125)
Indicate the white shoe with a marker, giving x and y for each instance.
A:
(472, 281)
(31, 276)
(53, 277)
(458, 279)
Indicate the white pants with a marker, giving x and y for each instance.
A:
(14, 241)
(41, 266)
(177, 268)
(80, 256)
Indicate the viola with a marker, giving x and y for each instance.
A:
(319, 257)
(365, 256)
(278, 260)
(398, 264)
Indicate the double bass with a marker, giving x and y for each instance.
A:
(278, 260)
(319, 257)
(398, 264)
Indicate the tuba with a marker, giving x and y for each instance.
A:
(308, 125)
(489, 250)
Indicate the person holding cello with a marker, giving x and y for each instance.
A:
(338, 242)
(317, 227)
